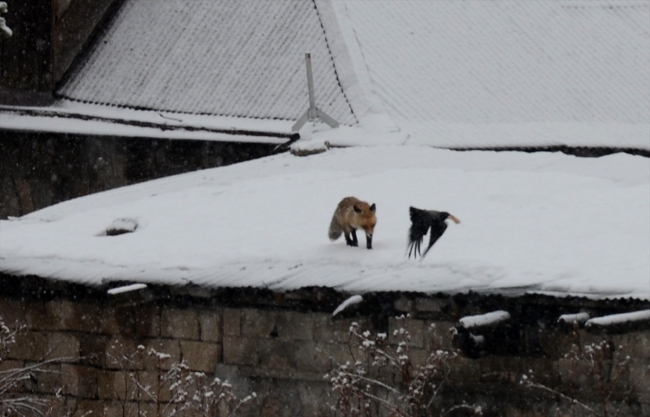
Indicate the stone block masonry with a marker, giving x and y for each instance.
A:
(115, 358)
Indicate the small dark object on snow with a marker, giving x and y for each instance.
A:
(121, 226)
(421, 221)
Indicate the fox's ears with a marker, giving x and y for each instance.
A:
(358, 210)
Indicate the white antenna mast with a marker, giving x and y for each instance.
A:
(313, 113)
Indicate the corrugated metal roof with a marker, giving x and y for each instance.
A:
(500, 67)
(215, 57)
(505, 61)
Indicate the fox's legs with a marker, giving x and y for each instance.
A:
(355, 241)
(351, 238)
(351, 241)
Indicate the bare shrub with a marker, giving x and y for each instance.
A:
(174, 392)
(13, 400)
(384, 380)
(207, 396)
(600, 371)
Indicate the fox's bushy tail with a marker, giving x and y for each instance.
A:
(336, 230)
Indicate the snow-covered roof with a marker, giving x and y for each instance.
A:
(437, 73)
(504, 61)
(507, 73)
(222, 58)
(456, 74)
(541, 222)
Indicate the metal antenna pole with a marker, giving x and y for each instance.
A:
(310, 87)
(313, 113)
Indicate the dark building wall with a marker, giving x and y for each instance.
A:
(47, 35)
(41, 169)
(26, 56)
(73, 24)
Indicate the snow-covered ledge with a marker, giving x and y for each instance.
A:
(578, 319)
(479, 335)
(488, 319)
(619, 323)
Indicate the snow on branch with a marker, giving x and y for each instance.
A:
(381, 377)
(14, 401)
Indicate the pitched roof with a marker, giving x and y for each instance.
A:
(226, 58)
(445, 73)
(504, 73)
(504, 61)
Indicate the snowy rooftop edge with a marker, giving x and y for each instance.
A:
(68, 117)
(90, 119)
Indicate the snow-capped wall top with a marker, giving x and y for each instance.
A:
(217, 57)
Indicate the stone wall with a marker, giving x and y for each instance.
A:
(280, 346)
(41, 169)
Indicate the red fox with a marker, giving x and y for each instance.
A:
(352, 214)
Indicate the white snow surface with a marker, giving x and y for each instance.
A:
(541, 222)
